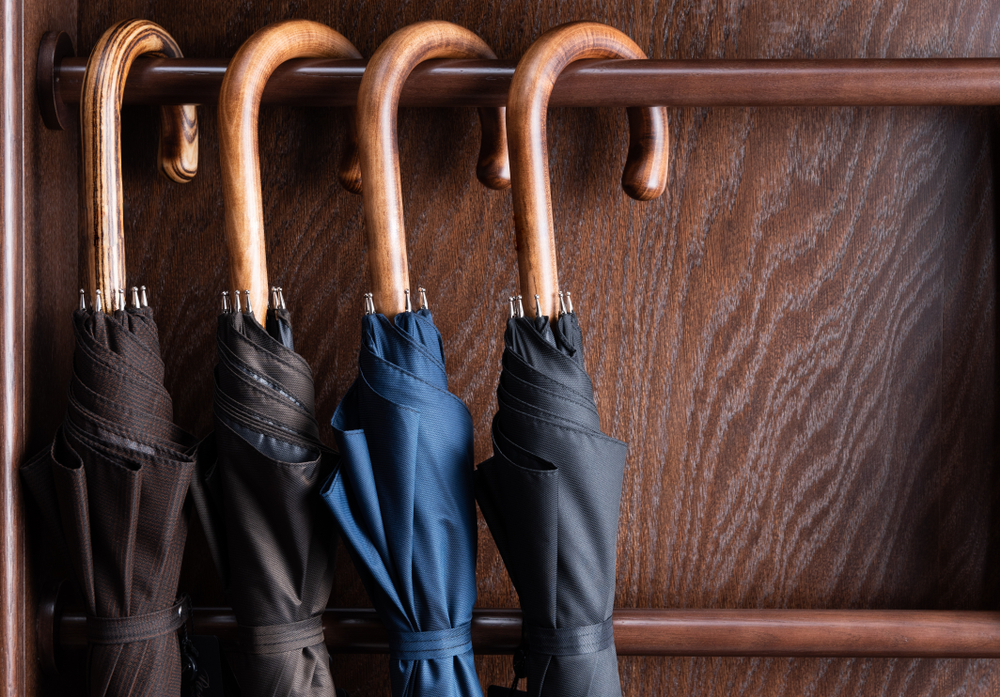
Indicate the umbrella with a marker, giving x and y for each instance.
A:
(551, 492)
(114, 481)
(263, 467)
(403, 494)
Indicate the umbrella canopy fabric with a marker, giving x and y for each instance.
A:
(113, 484)
(550, 495)
(403, 497)
(274, 542)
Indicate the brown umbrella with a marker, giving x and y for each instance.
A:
(114, 481)
(264, 464)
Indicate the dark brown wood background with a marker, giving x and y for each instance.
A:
(798, 341)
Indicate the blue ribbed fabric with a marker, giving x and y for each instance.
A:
(403, 496)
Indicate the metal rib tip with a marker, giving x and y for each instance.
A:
(237, 306)
(569, 302)
(520, 307)
(83, 299)
(407, 307)
(562, 304)
(281, 298)
(369, 303)
(225, 301)
(98, 302)
(142, 290)
(249, 307)
(121, 299)
(423, 298)
(510, 301)
(538, 306)
(135, 297)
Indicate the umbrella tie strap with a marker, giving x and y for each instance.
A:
(438, 643)
(281, 638)
(128, 630)
(570, 641)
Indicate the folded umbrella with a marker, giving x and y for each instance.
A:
(550, 495)
(551, 492)
(264, 465)
(403, 494)
(115, 479)
(403, 498)
(262, 469)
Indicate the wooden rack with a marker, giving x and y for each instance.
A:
(472, 83)
(591, 83)
(880, 633)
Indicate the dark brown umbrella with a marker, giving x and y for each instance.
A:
(114, 481)
(551, 492)
(264, 464)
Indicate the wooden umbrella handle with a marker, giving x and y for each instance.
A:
(239, 106)
(100, 118)
(645, 175)
(378, 99)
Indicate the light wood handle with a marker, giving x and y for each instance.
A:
(239, 106)
(378, 99)
(100, 118)
(645, 175)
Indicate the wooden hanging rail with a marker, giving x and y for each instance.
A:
(592, 83)
(828, 633)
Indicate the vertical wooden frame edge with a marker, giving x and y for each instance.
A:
(14, 635)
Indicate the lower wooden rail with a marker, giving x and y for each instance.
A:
(645, 632)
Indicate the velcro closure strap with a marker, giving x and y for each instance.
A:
(570, 641)
(438, 643)
(128, 630)
(281, 638)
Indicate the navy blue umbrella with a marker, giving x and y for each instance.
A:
(404, 500)
(403, 493)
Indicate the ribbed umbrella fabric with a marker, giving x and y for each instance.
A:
(551, 495)
(113, 484)
(403, 498)
(258, 494)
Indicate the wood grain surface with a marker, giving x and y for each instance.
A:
(645, 174)
(797, 340)
(238, 111)
(100, 118)
(378, 102)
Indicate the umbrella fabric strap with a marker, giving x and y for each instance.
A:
(570, 641)
(438, 643)
(128, 630)
(281, 638)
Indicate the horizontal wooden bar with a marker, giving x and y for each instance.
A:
(644, 632)
(593, 83)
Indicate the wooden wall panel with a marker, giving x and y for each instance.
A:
(797, 340)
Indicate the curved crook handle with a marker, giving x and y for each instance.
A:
(645, 175)
(239, 106)
(378, 99)
(100, 111)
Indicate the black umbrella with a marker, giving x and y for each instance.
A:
(264, 465)
(551, 492)
(115, 479)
